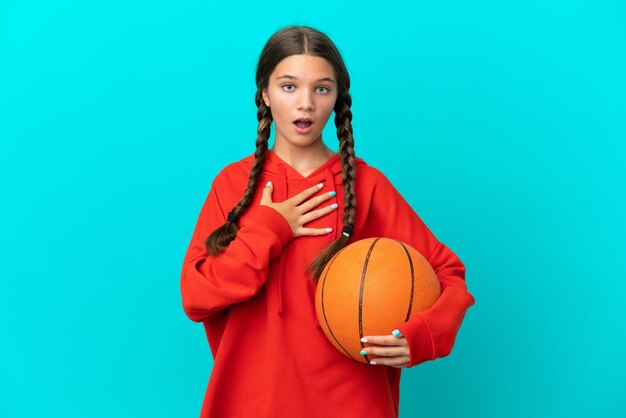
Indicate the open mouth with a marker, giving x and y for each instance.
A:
(303, 124)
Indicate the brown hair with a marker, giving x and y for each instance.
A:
(288, 41)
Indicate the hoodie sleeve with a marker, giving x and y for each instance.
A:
(430, 334)
(210, 284)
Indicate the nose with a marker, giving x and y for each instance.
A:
(305, 100)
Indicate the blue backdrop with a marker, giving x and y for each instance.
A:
(502, 123)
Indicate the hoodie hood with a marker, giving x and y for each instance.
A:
(329, 173)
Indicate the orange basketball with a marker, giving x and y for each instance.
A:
(370, 287)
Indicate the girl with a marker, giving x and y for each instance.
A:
(268, 226)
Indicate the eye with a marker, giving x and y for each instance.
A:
(325, 88)
(287, 85)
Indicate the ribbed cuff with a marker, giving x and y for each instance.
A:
(420, 340)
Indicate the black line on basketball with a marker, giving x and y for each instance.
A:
(332, 260)
(408, 255)
(361, 290)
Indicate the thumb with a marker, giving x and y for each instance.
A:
(267, 193)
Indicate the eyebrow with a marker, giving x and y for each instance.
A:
(295, 78)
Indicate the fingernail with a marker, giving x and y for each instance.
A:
(329, 230)
(363, 352)
(268, 184)
(334, 206)
(319, 186)
(331, 194)
(396, 333)
(363, 340)
(373, 362)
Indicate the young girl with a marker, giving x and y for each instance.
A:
(268, 226)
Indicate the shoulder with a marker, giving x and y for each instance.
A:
(234, 174)
(230, 183)
(372, 176)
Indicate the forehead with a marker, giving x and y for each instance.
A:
(304, 67)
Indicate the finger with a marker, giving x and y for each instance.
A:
(385, 351)
(384, 340)
(317, 213)
(266, 197)
(314, 202)
(399, 362)
(396, 333)
(303, 195)
(314, 231)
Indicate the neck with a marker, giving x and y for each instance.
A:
(303, 158)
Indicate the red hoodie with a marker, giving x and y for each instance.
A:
(271, 357)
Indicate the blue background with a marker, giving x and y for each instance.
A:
(502, 123)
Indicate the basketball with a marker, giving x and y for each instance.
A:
(370, 287)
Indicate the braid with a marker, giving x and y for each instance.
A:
(343, 121)
(219, 239)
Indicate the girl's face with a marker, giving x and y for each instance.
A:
(301, 87)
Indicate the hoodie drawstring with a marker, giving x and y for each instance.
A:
(281, 187)
(282, 191)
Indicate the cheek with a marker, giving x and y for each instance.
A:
(328, 109)
(278, 111)
(331, 104)
(281, 106)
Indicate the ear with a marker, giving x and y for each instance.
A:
(266, 97)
